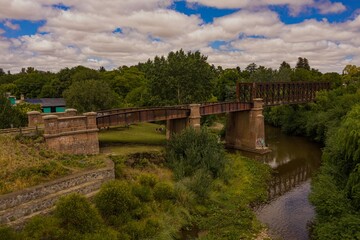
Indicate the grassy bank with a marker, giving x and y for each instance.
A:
(25, 162)
(226, 211)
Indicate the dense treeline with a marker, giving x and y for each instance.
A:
(178, 78)
(334, 120)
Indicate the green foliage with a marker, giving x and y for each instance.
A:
(8, 234)
(193, 150)
(336, 190)
(75, 213)
(164, 191)
(41, 227)
(149, 180)
(346, 227)
(116, 199)
(97, 95)
(14, 116)
(225, 87)
(180, 78)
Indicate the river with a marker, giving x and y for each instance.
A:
(294, 160)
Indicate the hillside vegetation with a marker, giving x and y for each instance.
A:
(25, 161)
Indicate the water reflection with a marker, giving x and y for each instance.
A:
(294, 160)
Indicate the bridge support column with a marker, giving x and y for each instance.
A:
(245, 130)
(174, 126)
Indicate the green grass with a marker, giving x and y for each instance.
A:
(144, 134)
(228, 214)
(134, 139)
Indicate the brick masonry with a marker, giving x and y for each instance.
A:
(35, 118)
(72, 135)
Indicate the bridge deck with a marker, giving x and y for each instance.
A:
(124, 116)
(224, 107)
(274, 93)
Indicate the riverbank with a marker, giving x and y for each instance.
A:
(227, 212)
(162, 207)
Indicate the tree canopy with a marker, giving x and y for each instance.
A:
(97, 95)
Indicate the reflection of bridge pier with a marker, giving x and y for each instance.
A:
(282, 183)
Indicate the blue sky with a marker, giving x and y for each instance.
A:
(51, 34)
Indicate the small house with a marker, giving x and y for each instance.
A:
(49, 105)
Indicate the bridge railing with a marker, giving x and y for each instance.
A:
(141, 115)
(223, 107)
(276, 93)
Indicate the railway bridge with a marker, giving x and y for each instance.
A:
(244, 129)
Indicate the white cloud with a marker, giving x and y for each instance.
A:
(326, 7)
(83, 35)
(248, 3)
(295, 6)
(11, 25)
(23, 9)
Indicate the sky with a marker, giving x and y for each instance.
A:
(53, 34)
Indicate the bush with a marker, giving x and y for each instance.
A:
(200, 183)
(115, 199)
(41, 227)
(164, 191)
(144, 193)
(148, 180)
(8, 234)
(75, 213)
(193, 150)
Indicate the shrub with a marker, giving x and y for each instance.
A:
(200, 183)
(148, 180)
(164, 191)
(41, 227)
(8, 234)
(116, 198)
(193, 150)
(75, 213)
(144, 193)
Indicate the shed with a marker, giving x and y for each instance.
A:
(49, 105)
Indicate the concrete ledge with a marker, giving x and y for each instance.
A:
(70, 133)
(253, 150)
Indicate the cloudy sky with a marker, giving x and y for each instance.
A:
(53, 34)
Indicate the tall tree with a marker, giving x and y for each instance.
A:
(284, 65)
(303, 63)
(251, 68)
(90, 95)
(180, 78)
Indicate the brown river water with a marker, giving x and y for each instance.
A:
(294, 161)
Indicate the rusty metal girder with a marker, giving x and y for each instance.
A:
(276, 93)
(223, 107)
(140, 115)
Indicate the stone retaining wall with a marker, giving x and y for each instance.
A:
(17, 207)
